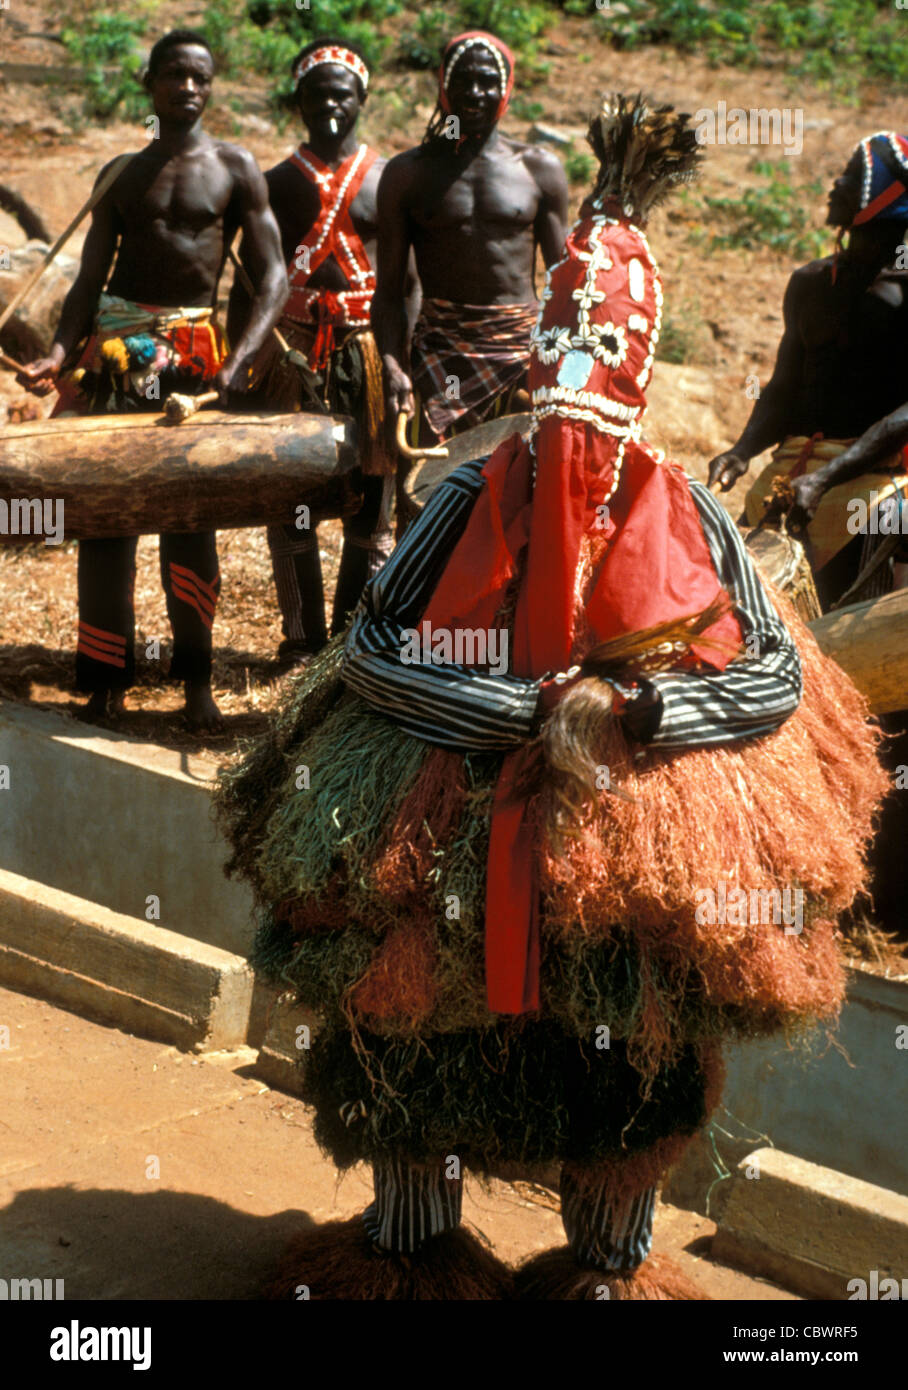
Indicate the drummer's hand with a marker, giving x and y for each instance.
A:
(808, 492)
(232, 379)
(398, 390)
(39, 377)
(725, 469)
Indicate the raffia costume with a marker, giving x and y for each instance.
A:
(507, 979)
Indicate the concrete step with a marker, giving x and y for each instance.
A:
(113, 821)
(817, 1232)
(134, 974)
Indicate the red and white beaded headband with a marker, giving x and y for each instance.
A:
(333, 53)
(476, 42)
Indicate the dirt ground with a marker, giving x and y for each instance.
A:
(237, 1173)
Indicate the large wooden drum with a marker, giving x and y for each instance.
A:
(132, 475)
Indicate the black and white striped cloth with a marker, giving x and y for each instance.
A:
(297, 571)
(412, 1203)
(457, 707)
(602, 1236)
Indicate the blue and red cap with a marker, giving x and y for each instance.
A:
(884, 178)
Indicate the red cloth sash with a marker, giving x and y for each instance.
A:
(657, 567)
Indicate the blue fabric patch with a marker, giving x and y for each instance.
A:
(575, 370)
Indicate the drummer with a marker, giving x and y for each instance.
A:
(841, 367)
(838, 383)
(165, 224)
(324, 198)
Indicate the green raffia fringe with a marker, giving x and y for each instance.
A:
(526, 1091)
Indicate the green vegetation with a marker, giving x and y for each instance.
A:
(683, 335)
(107, 47)
(525, 109)
(265, 35)
(579, 167)
(777, 215)
(840, 44)
(521, 26)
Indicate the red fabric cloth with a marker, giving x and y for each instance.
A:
(657, 567)
(591, 360)
(332, 234)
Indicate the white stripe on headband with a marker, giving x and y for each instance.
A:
(461, 49)
(344, 57)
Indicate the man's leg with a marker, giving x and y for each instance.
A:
(407, 1245)
(413, 1203)
(604, 1234)
(192, 583)
(297, 569)
(105, 659)
(610, 1237)
(368, 541)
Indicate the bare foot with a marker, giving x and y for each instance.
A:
(202, 714)
(103, 705)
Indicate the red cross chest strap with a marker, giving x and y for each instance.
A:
(333, 233)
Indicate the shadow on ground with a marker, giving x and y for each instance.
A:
(44, 678)
(160, 1245)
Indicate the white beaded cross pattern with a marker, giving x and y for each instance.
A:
(324, 180)
(551, 343)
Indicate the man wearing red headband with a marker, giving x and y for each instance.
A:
(495, 889)
(842, 366)
(324, 199)
(473, 205)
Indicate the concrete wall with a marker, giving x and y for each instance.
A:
(846, 1108)
(839, 1103)
(111, 821)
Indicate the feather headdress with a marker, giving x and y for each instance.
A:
(643, 151)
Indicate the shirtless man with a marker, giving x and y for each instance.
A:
(324, 199)
(842, 366)
(473, 205)
(166, 223)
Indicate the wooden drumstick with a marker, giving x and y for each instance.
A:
(178, 408)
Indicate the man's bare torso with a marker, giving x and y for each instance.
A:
(176, 218)
(855, 343)
(472, 222)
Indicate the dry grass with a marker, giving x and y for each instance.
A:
(37, 651)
